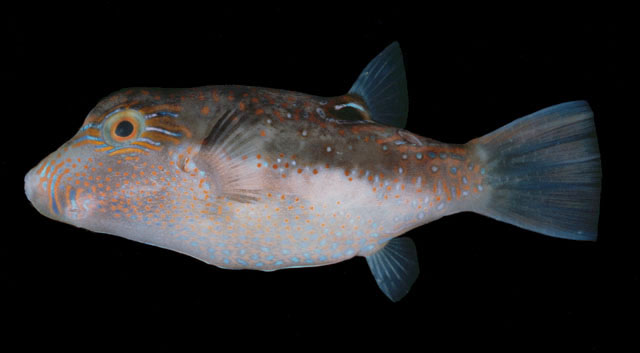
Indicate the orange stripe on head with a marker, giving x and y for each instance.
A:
(55, 192)
(147, 145)
(87, 142)
(127, 150)
(156, 108)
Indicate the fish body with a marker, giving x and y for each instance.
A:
(255, 178)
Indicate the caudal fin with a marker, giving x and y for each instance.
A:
(543, 172)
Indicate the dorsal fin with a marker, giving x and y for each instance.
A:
(383, 86)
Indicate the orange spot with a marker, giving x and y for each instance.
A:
(204, 110)
(315, 171)
(259, 165)
(258, 156)
(275, 166)
(241, 106)
(284, 175)
(262, 133)
(346, 173)
(259, 111)
(299, 170)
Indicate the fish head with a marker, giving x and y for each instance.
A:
(114, 172)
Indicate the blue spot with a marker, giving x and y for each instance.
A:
(322, 258)
(454, 170)
(226, 261)
(259, 264)
(270, 257)
(419, 155)
(295, 259)
(194, 243)
(279, 262)
(242, 262)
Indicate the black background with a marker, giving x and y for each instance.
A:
(483, 284)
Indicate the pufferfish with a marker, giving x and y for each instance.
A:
(266, 179)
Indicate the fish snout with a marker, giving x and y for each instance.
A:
(47, 188)
(35, 191)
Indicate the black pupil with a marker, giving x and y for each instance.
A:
(124, 129)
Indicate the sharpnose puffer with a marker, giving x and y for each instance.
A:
(254, 178)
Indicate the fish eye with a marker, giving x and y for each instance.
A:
(123, 127)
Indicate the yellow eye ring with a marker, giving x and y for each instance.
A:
(123, 127)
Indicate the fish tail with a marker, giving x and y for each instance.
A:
(542, 172)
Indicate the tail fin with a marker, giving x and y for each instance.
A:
(543, 172)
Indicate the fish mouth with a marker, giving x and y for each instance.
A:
(45, 188)
(35, 190)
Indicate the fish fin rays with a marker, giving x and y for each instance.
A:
(222, 156)
(543, 172)
(383, 86)
(395, 267)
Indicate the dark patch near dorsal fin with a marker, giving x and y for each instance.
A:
(349, 108)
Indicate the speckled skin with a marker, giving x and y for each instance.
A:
(244, 177)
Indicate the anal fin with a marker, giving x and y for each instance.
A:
(395, 267)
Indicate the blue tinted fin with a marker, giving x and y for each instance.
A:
(383, 86)
(395, 267)
(543, 172)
